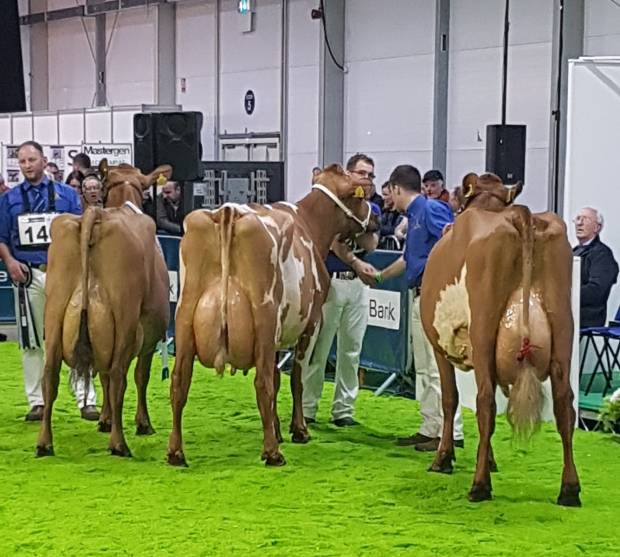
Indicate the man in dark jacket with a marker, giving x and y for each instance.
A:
(599, 269)
(169, 216)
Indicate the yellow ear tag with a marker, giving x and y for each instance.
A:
(162, 180)
(359, 192)
(470, 191)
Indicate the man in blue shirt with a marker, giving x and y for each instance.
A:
(426, 220)
(26, 212)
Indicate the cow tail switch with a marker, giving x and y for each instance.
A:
(226, 225)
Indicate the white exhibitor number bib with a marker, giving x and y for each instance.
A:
(34, 229)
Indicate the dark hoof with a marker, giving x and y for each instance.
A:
(480, 493)
(120, 450)
(569, 496)
(43, 450)
(274, 460)
(142, 429)
(104, 427)
(177, 459)
(443, 465)
(300, 437)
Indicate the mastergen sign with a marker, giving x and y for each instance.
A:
(116, 153)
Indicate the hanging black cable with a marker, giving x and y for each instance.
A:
(556, 113)
(329, 47)
(505, 62)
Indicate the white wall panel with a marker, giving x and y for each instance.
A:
(266, 115)
(389, 85)
(376, 30)
(61, 4)
(394, 109)
(303, 133)
(46, 129)
(71, 128)
(259, 49)
(71, 66)
(130, 63)
(22, 128)
(601, 18)
(299, 175)
(98, 127)
(604, 45)
(122, 127)
(5, 130)
(195, 36)
(304, 34)
(475, 78)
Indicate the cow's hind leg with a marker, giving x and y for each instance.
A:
(565, 419)
(51, 378)
(265, 399)
(118, 386)
(142, 374)
(449, 401)
(179, 389)
(105, 419)
(486, 409)
(303, 352)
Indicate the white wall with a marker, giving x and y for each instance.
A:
(195, 60)
(601, 28)
(303, 98)
(475, 86)
(130, 63)
(389, 84)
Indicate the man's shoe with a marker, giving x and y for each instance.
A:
(345, 422)
(309, 420)
(413, 440)
(90, 413)
(35, 414)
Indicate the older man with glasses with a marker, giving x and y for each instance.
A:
(599, 269)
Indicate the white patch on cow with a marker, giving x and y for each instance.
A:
(267, 206)
(269, 295)
(313, 267)
(291, 206)
(451, 321)
(292, 270)
(243, 209)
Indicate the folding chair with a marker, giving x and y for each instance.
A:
(607, 355)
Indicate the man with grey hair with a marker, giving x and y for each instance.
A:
(599, 269)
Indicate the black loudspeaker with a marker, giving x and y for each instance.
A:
(506, 152)
(12, 92)
(177, 142)
(144, 142)
(169, 138)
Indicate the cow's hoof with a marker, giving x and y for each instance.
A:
(120, 450)
(569, 496)
(144, 429)
(301, 437)
(274, 460)
(177, 459)
(104, 427)
(443, 465)
(44, 450)
(480, 493)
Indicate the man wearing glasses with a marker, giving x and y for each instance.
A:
(599, 269)
(345, 314)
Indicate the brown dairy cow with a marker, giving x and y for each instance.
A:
(496, 298)
(107, 302)
(126, 183)
(253, 282)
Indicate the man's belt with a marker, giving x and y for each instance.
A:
(344, 275)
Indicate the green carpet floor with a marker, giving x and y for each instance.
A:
(348, 492)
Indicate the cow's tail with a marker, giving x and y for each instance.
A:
(226, 233)
(526, 397)
(83, 353)
(525, 404)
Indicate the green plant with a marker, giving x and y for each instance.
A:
(610, 412)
